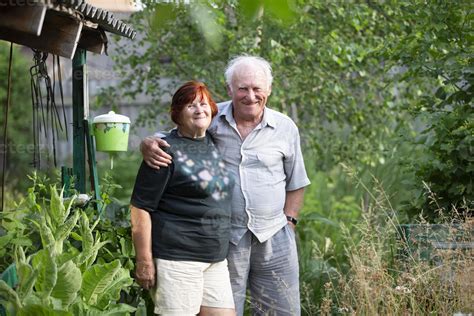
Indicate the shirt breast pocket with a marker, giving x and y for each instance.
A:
(271, 164)
(264, 166)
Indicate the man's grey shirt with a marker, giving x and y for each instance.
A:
(266, 164)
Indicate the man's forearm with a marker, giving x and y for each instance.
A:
(294, 202)
(141, 234)
(153, 155)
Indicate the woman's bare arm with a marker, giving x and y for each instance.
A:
(145, 273)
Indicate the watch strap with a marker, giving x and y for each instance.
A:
(292, 219)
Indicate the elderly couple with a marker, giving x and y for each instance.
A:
(214, 211)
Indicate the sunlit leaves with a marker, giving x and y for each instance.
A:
(205, 19)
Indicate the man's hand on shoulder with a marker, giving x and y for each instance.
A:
(153, 155)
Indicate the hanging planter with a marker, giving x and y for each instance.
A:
(111, 133)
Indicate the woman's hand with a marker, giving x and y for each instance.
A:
(145, 274)
(153, 155)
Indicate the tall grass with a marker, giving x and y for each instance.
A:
(352, 264)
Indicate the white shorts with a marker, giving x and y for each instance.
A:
(182, 287)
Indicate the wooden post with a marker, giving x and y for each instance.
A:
(79, 106)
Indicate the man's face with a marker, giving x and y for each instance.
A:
(249, 92)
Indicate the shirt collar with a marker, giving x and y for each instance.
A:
(268, 116)
(226, 112)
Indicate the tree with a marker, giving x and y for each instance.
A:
(328, 77)
(434, 54)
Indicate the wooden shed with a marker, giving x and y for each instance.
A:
(68, 28)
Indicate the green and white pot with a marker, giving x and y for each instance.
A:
(111, 133)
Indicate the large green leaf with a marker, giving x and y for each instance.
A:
(206, 22)
(63, 232)
(68, 283)
(8, 295)
(32, 299)
(87, 239)
(70, 254)
(97, 279)
(47, 269)
(41, 310)
(80, 308)
(95, 250)
(27, 279)
(121, 281)
(22, 241)
(57, 211)
(90, 245)
(118, 310)
(4, 240)
(47, 237)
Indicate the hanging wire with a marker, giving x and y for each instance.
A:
(46, 116)
(35, 102)
(62, 95)
(5, 129)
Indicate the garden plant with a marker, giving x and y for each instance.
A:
(382, 94)
(54, 246)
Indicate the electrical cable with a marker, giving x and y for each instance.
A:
(5, 129)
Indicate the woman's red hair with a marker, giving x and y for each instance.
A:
(186, 95)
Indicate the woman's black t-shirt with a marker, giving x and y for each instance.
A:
(189, 201)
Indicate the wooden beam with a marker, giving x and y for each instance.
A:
(91, 40)
(59, 36)
(27, 19)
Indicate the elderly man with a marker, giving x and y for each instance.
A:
(262, 147)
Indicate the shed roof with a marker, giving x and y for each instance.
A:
(102, 17)
(59, 26)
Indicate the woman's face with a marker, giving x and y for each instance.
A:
(196, 116)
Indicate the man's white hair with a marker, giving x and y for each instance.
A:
(253, 61)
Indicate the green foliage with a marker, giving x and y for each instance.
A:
(102, 283)
(58, 273)
(385, 87)
(328, 209)
(119, 185)
(354, 76)
(335, 204)
(433, 60)
(357, 78)
(349, 255)
(445, 163)
(334, 91)
(19, 132)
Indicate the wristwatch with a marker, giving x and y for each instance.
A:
(292, 219)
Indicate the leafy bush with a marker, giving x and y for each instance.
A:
(431, 66)
(55, 248)
(445, 163)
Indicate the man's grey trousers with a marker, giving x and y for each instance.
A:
(271, 271)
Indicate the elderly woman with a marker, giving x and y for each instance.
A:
(181, 216)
